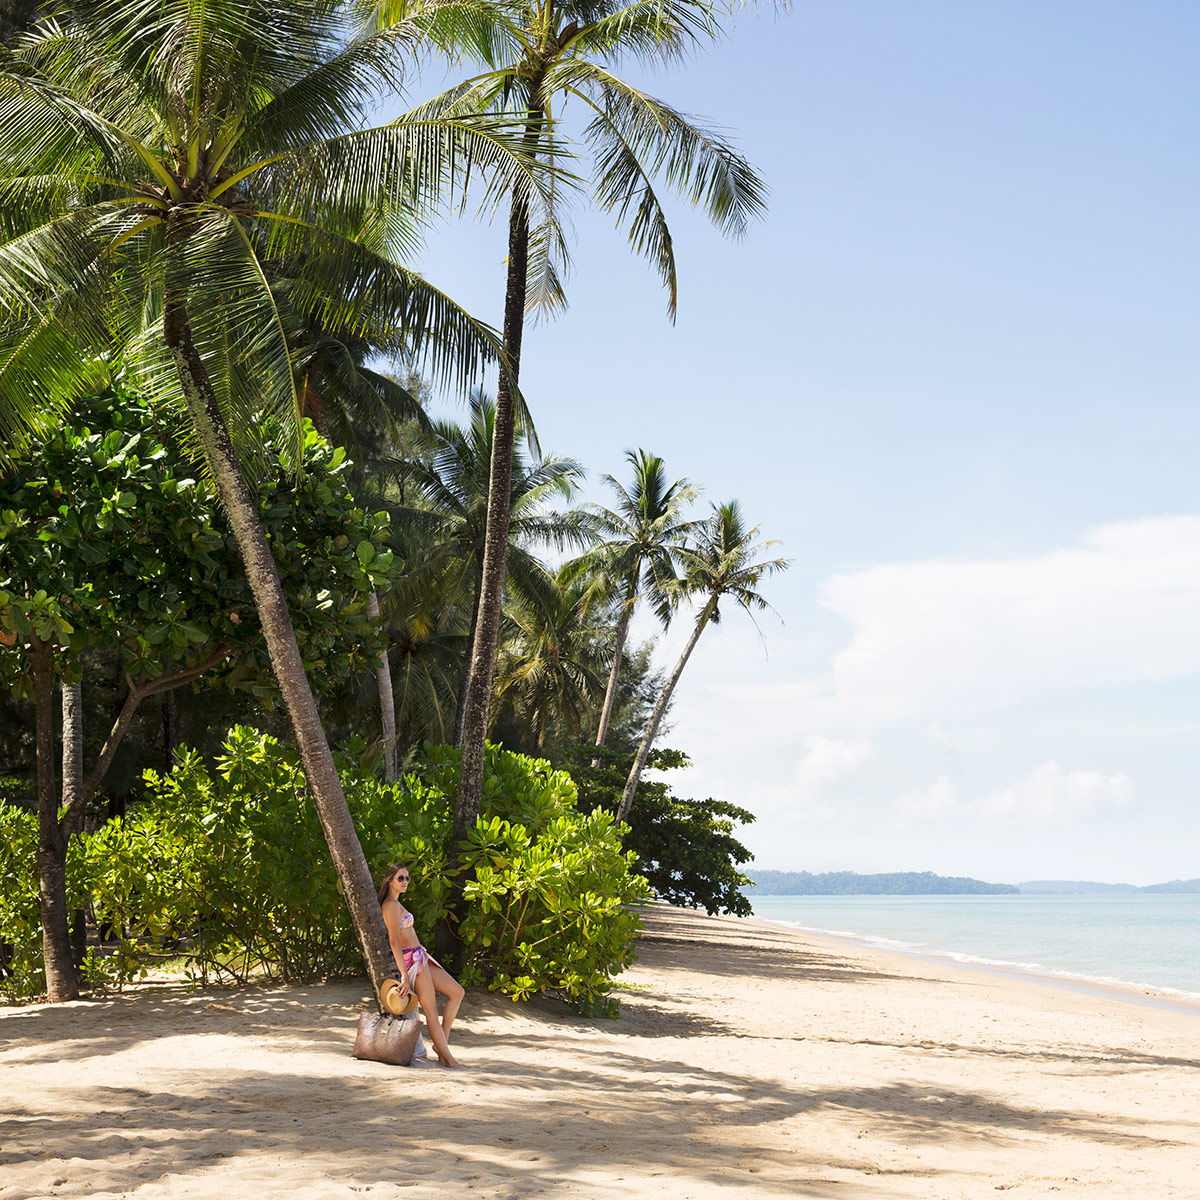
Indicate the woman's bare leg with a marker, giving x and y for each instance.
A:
(445, 983)
(428, 998)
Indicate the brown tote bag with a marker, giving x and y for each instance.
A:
(387, 1039)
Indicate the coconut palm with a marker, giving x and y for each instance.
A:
(538, 56)
(724, 562)
(162, 168)
(641, 538)
(550, 672)
(452, 518)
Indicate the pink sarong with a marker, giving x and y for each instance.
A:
(415, 957)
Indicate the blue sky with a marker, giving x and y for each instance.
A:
(954, 372)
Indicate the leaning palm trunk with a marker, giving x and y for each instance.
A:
(387, 705)
(319, 771)
(610, 694)
(660, 709)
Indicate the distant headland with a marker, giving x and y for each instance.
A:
(850, 883)
(1086, 887)
(926, 883)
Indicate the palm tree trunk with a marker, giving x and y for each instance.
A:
(387, 705)
(610, 694)
(319, 771)
(495, 545)
(476, 705)
(639, 763)
(62, 980)
(464, 684)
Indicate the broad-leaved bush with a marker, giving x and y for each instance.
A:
(226, 871)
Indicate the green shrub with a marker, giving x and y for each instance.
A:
(228, 869)
(550, 887)
(22, 974)
(686, 849)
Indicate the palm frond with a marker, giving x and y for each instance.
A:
(651, 31)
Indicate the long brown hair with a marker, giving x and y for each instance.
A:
(388, 876)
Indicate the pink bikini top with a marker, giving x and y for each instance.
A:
(406, 921)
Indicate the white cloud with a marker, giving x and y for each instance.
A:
(1047, 793)
(940, 799)
(932, 639)
(825, 761)
(939, 733)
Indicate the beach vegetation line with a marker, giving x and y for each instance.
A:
(223, 872)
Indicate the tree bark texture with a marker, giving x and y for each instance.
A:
(387, 705)
(639, 762)
(62, 980)
(316, 759)
(610, 694)
(72, 786)
(495, 546)
(72, 742)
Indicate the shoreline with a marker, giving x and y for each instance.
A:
(1149, 995)
(751, 1062)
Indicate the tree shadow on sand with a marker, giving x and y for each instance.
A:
(1111, 1060)
(522, 1125)
(781, 960)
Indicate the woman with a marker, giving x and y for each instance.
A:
(419, 970)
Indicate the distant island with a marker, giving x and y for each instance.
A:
(850, 883)
(1086, 887)
(926, 883)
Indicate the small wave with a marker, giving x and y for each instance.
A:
(867, 939)
(921, 950)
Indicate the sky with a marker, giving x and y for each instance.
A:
(953, 372)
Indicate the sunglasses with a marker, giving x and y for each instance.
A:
(401, 875)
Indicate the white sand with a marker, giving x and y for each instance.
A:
(758, 1062)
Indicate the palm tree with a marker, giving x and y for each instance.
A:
(549, 674)
(537, 56)
(724, 562)
(452, 520)
(161, 167)
(644, 532)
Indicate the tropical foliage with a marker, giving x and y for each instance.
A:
(130, 553)
(686, 849)
(218, 469)
(223, 870)
(185, 188)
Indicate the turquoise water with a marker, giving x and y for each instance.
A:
(1143, 941)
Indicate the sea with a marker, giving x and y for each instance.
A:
(1144, 942)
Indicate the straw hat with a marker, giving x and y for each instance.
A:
(398, 1003)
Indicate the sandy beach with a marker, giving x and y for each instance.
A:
(750, 1061)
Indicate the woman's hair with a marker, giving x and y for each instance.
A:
(386, 885)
